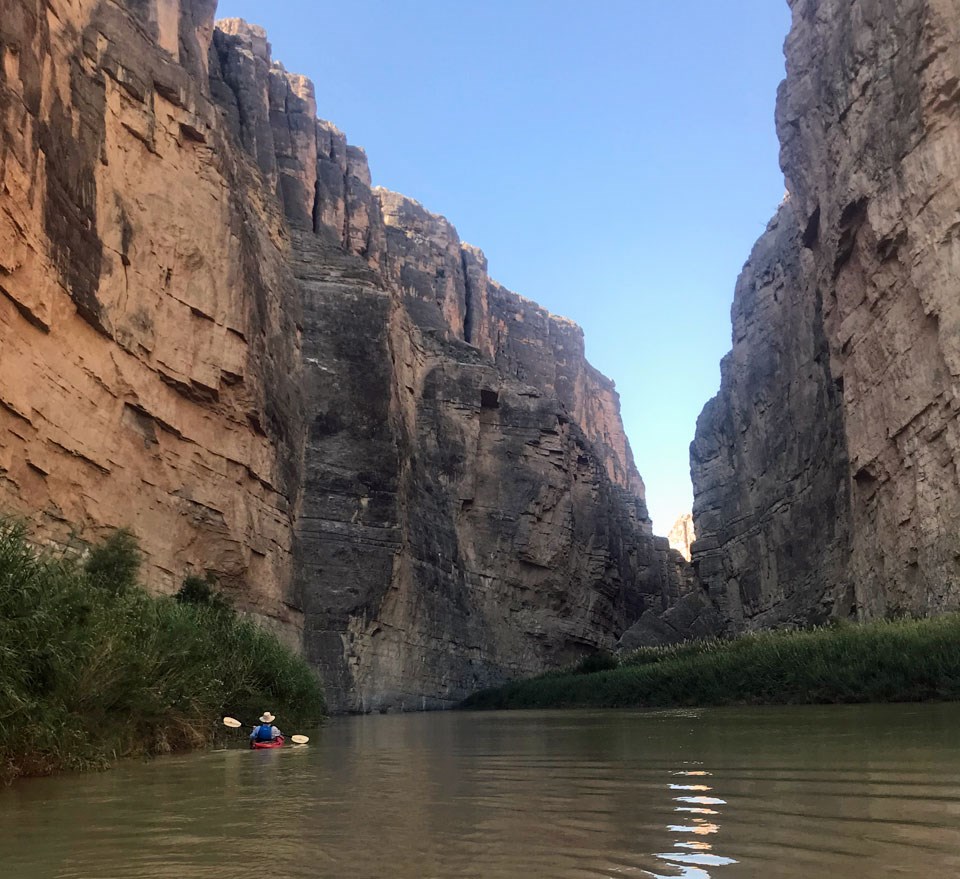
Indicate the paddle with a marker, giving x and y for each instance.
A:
(233, 723)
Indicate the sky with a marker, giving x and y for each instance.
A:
(615, 160)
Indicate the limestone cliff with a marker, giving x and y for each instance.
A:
(215, 331)
(768, 462)
(826, 470)
(149, 356)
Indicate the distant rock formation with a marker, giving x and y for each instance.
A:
(216, 332)
(827, 469)
(681, 535)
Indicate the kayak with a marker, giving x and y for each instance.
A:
(261, 746)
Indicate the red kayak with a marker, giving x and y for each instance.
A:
(261, 746)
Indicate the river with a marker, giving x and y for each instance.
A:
(832, 791)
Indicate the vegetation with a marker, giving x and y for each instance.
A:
(93, 668)
(203, 593)
(901, 661)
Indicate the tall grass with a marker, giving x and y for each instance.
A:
(93, 668)
(903, 661)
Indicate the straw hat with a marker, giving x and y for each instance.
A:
(267, 717)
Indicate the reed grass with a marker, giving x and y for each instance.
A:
(888, 661)
(93, 668)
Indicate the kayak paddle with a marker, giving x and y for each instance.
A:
(233, 723)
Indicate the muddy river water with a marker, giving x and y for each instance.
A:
(832, 791)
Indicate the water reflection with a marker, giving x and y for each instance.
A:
(700, 826)
(691, 858)
(684, 873)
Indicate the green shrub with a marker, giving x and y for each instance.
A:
(899, 661)
(115, 563)
(203, 591)
(602, 660)
(93, 668)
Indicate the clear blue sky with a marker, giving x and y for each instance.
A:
(615, 160)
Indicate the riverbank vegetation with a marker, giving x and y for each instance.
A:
(93, 668)
(901, 661)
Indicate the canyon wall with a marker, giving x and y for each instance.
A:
(215, 331)
(826, 469)
(769, 459)
(149, 356)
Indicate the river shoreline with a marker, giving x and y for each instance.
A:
(899, 661)
(97, 669)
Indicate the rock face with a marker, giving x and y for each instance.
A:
(215, 331)
(826, 470)
(149, 357)
(769, 459)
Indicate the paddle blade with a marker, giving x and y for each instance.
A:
(232, 722)
(299, 740)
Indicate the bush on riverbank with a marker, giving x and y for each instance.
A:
(903, 661)
(93, 668)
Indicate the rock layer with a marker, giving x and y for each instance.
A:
(826, 470)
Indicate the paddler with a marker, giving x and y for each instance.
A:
(266, 731)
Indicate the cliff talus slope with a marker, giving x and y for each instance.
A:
(826, 470)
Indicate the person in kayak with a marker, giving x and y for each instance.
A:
(266, 731)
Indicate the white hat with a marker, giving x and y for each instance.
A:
(267, 717)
